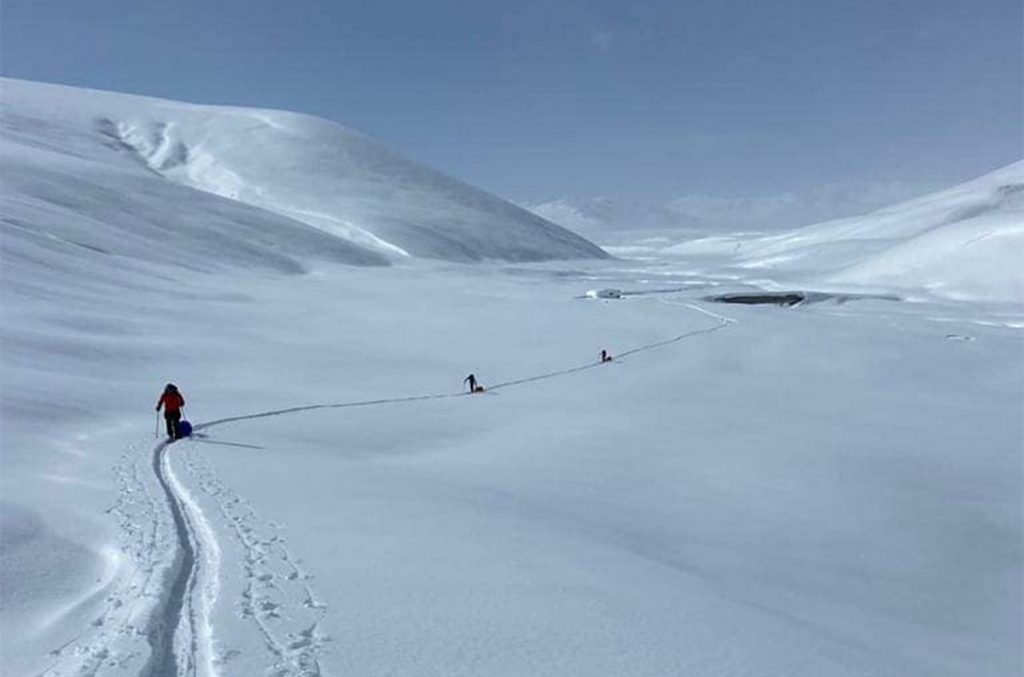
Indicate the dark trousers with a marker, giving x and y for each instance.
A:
(172, 423)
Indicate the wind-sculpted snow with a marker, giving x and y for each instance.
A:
(100, 155)
(77, 204)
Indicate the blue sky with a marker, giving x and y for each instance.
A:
(537, 100)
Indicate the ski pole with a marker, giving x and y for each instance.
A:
(156, 433)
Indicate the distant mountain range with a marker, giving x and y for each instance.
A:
(618, 221)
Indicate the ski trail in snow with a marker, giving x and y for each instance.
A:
(340, 405)
(181, 635)
(722, 322)
(166, 600)
(178, 598)
(204, 577)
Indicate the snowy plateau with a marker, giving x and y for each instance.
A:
(823, 479)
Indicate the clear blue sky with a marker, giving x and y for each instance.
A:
(542, 99)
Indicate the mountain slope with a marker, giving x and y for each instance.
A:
(306, 170)
(966, 242)
(71, 203)
(596, 218)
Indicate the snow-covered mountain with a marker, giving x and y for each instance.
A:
(966, 242)
(240, 185)
(618, 222)
(794, 209)
(602, 218)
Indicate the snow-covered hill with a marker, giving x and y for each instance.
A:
(966, 242)
(633, 223)
(239, 185)
(602, 218)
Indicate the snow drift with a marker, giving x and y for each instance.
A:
(90, 155)
(966, 242)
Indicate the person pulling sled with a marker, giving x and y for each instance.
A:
(605, 356)
(474, 387)
(172, 402)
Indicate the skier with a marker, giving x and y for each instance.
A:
(605, 357)
(473, 387)
(172, 402)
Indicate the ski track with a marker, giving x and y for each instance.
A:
(202, 573)
(169, 606)
(722, 322)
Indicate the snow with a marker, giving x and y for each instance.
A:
(294, 166)
(825, 490)
(618, 222)
(603, 293)
(639, 225)
(965, 243)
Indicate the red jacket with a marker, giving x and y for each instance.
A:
(171, 402)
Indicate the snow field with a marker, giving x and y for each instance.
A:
(508, 525)
(825, 490)
(707, 506)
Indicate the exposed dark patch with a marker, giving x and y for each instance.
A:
(113, 139)
(788, 299)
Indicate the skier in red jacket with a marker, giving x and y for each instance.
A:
(172, 402)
